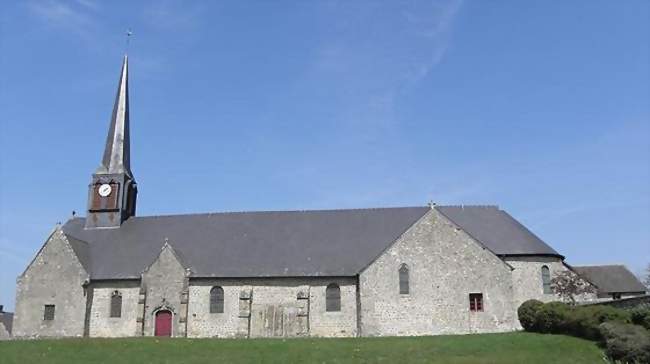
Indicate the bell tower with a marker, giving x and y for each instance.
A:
(112, 191)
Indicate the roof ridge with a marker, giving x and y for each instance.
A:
(276, 211)
(476, 206)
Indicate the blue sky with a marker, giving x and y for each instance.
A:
(540, 107)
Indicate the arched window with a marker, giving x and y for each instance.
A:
(404, 279)
(546, 280)
(116, 304)
(333, 298)
(216, 300)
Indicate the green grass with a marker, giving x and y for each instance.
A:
(517, 348)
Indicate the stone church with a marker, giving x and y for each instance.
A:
(334, 273)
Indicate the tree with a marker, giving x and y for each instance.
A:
(646, 281)
(569, 285)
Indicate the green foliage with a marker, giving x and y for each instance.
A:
(527, 313)
(553, 318)
(641, 316)
(626, 343)
(510, 348)
(584, 321)
(560, 318)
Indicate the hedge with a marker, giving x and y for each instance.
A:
(626, 343)
(623, 334)
(560, 318)
(641, 316)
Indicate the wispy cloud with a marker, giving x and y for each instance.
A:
(75, 16)
(375, 51)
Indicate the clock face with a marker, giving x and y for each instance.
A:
(104, 190)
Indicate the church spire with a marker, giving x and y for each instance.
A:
(113, 191)
(117, 156)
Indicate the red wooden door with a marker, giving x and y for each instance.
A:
(163, 323)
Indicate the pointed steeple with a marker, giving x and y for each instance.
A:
(117, 155)
(112, 192)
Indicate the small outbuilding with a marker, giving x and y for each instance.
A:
(613, 281)
(6, 321)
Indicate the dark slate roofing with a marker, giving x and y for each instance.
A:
(7, 319)
(117, 154)
(497, 230)
(246, 244)
(82, 250)
(611, 278)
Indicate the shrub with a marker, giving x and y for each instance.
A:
(552, 318)
(527, 313)
(584, 321)
(641, 316)
(560, 318)
(626, 342)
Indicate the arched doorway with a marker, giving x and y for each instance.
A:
(163, 323)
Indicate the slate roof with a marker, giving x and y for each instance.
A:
(497, 230)
(82, 250)
(117, 152)
(246, 244)
(7, 319)
(280, 243)
(611, 278)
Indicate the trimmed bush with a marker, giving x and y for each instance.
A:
(641, 316)
(560, 318)
(527, 313)
(584, 321)
(552, 318)
(626, 342)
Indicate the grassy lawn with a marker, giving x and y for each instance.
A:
(488, 348)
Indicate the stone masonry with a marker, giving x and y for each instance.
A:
(165, 284)
(274, 307)
(36, 288)
(445, 266)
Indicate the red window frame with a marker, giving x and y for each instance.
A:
(476, 302)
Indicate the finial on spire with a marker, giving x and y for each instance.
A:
(129, 33)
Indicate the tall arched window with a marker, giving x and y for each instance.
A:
(216, 300)
(116, 304)
(546, 280)
(404, 279)
(333, 298)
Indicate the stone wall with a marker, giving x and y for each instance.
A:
(333, 324)
(55, 277)
(271, 307)
(445, 266)
(100, 322)
(164, 284)
(628, 303)
(527, 277)
(4, 333)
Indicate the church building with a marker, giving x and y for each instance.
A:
(423, 270)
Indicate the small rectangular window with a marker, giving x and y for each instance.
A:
(476, 302)
(48, 313)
